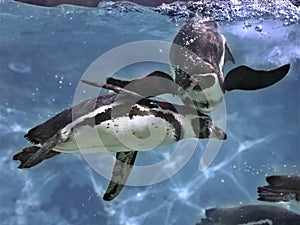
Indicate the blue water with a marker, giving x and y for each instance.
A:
(45, 52)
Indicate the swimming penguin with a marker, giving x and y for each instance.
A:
(250, 214)
(115, 117)
(280, 188)
(94, 3)
(198, 54)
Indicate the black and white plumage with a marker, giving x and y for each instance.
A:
(116, 117)
(198, 55)
(200, 78)
(250, 214)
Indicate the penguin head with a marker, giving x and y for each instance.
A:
(206, 128)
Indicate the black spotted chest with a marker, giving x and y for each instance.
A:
(142, 128)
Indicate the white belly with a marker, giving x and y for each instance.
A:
(140, 133)
(207, 98)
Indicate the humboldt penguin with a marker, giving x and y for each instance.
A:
(95, 3)
(280, 188)
(120, 115)
(250, 214)
(197, 55)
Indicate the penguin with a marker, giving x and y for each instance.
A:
(199, 78)
(280, 188)
(94, 3)
(250, 214)
(197, 55)
(119, 115)
(52, 3)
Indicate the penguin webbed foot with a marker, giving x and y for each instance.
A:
(33, 155)
(27, 153)
(246, 78)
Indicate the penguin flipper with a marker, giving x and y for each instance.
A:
(246, 78)
(117, 82)
(122, 168)
(123, 83)
(28, 152)
(153, 84)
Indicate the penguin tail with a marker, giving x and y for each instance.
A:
(280, 188)
(270, 194)
(27, 153)
(246, 78)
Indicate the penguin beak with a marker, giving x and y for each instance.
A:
(218, 133)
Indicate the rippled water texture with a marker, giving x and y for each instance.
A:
(44, 53)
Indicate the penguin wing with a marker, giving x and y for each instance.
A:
(153, 84)
(246, 78)
(122, 168)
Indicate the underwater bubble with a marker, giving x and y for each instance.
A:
(19, 67)
(247, 24)
(258, 28)
(233, 10)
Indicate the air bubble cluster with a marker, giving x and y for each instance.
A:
(234, 10)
